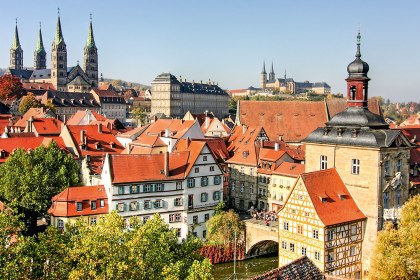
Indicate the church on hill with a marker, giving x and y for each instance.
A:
(63, 77)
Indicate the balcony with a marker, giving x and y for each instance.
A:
(202, 207)
(392, 213)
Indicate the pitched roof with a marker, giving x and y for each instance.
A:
(134, 133)
(147, 167)
(194, 148)
(47, 126)
(290, 169)
(339, 206)
(5, 120)
(38, 86)
(218, 148)
(177, 128)
(64, 203)
(338, 105)
(270, 154)
(105, 139)
(32, 112)
(242, 145)
(77, 117)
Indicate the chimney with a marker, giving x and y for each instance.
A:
(262, 143)
(166, 164)
(243, 129)
(187, 143)
(82, 137)
(167, 132)
(10, 121)
(276, 146)
(30, 121)
(99, 128)
(207, 119)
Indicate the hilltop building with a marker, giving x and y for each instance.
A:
(288, 85)
(62, 77)
(175, 98)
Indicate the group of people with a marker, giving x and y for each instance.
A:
(264, 215)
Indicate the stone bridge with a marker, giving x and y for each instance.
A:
(260, 239)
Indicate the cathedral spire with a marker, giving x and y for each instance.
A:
(91, 39)
(272, 68)
(40, 43)
(16, 42)
(263, 69)
(58, 33)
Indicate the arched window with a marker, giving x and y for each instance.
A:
(352, 92)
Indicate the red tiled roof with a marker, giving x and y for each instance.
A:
(37, 86)
(4, 121)
(218, 147)
(77, 117)
(270, 154)
(92, 137)
(132, 133)
(64, 204)
(106, 92)
(194, 148)
(32, 112)
(412, 120)
(147, 167)
(237, 90)
(328, 184)
(148, 141)
(176, 127)
(47, 126)
(290, 169)
(243, 145)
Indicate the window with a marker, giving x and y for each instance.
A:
(233, 186)
(204, 181)
(93, 205)
(134, 189)
(160, 187)
(251, 189)
(330, 235)
(284, 245)
(399, 165)
(178, 217)
(212, 168)
(398, 198)
(196, 170)
(216, 195)
(60, 224)
(251, 171)
(178, 201)
(292, 247)
(386, 167)
(303, 251)
(300, 229)
(353, 229)
(352, 250)
(323, 162)
(286, 225)
(102, 202)
(93, 221)
(317, 255)
(191, 182)
(242, 170)
(147, 188)
(134, 205)
(120, 207)
(158, 203)
(172, 218)
(330, 257)
(179, 185)
(204, 233)
(315, 234)
(242, 187)
(217, 180)
(178, 232)
(121, 190)
(79, 206)
(355, 166)
(206, 217)
(205, 159)
(147, 204)
(386, 206)
(204, 197)
(195, 219)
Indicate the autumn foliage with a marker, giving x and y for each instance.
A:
(10, 87)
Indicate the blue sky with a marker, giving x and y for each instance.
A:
(228, 40)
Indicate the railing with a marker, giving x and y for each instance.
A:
(392, 213)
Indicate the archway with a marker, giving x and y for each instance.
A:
(263, 248)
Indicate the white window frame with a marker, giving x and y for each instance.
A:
(355, 166)
(323, 162)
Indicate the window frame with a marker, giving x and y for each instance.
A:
(355, 166)
(323, 162)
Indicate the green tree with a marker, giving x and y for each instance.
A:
(201, 271)
(397, 250)
(27, 102)
(30, 179)
(140, 115)
(221, 228)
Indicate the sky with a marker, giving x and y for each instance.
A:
(228, 40)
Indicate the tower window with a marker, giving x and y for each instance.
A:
(386, 200)
(399, 165)
(353, 92)
(323, 162)
(355, 166)
(386, 167)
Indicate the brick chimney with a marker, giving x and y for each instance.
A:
(166, 164)
(82, 137)
(99, 128)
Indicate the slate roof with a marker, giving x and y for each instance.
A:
(71, 99)
(41, 73)
(21, 73)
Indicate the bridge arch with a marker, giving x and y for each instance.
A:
(263, 247)
(260, 239)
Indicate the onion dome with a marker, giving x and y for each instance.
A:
(358, 68)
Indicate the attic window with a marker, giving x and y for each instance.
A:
(326, 130)
(342, 196)
(82, 146)
(2, 153)
(112, 144)
(245, 154)
(98, 145)
(340, 132)
(324, 198)
(354, 133)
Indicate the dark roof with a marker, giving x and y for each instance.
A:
(72, 99)
(21, 73)
(165, 78)
(41, 73)
(358, 117)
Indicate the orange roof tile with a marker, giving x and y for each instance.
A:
(242, 145)
(106, 92)
(47, 126)
(32, 112)
(105, 139)
(5, 120)
(64, 204)
(194, 148)
(37, 86)
(290, 169)
(149, 141)
(77, 117)
(147, 167)
(339, 206)
(176, 127)
(270, 154)
(218, 147)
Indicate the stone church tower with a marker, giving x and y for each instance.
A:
(40, 55)
(16, 52)
(272, 76)
(372, 160)
(263, 77)
(90, 61)
(59, 60)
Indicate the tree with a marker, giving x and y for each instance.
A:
(10, 87)
(221, 228)
(30, 179)
(139, 114)
(397, 250)
(27, 102)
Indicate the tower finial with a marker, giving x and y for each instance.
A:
(16, 21)
(90, 15)
(58, 11)
(91, 39)
(358, 54)
(263, 70)
(16, 41)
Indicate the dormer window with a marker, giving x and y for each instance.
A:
(354, 133)
(2, 153)
(98, 145)
(93, 205)
(340, 132)
(112, 144)
(326, 130)
(342, 196)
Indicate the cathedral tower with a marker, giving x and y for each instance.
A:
(16, 52)
(263, 77)
(272, 76)
(40, 56)
(59, 60)
(90, 63)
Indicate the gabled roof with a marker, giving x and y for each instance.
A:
(194, 148)
(134, 133)
(145, 168)
(64, 204)
(77, 117)
(47, 126)
(105, 139)
(35, 113)
(177, 128)
(270, 154)
(339, 206)
(242, 145)
(148, 141)
(38, 86)
(218, 148)
(289, 169)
